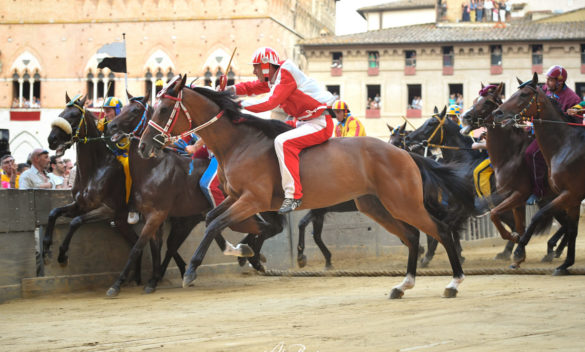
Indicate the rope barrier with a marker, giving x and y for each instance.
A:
(423, 272)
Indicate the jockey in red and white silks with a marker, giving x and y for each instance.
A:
(300, 97)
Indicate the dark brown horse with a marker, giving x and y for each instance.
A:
(98, 193)
(391, 186)
(164, 187)
(506, 148)
(561, 146)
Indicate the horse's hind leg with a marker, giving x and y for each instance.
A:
(317, 232)
(373, 208)
(432, 247)
(572, 225)
(180, 230)
(271, 224)
(301, 257)
(101, 213)
(155, 248)
(552, 242)
(70, 210)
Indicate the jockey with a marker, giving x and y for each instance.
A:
(112, 107)
(555, 87)
(209, 182)
(300, 97)
(453, 113)
(348, 125)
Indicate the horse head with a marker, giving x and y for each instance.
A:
(432, 131)
(480, 112)
(133, 118)
(67, 126)
(522, 105)
(397, 135)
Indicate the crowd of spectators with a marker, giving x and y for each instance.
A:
(485, 11)
(35, 103)
(416, 103)
(374, 103)
(39, 172)
(456, 99)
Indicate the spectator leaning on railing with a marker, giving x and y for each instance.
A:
(36, 176)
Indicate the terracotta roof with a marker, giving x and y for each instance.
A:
(574, 15)
(432, 33)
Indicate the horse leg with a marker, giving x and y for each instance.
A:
(507, 252)
(101, 213)
(271, 224)
(373, 208)
(213, 213)
(155, 247)
(240, 210)
(572, 231)
(128, 233)
(432, 247)
(301, 257)
(317, 232)
(552, 242)
(153, 222)
(509, 247)
(513, 201)
(538, 221)
(70, 210)
(458, 248)
(563, 244)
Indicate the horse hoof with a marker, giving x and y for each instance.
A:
(503, 256)
(424, 262)
(241, 261)
(149, 289)
(560, 272)
(515, 266)
(188, 279)
(63, 261)
(246, 250)
(259, 268)
(450, 292)
(302, 261)
(329, 266)
(262, 258)
(396, 293)
(547, 258)
(113, 292)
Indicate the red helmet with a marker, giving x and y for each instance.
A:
(557, 72)
(265, 56)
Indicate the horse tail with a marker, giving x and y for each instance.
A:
(447, 193)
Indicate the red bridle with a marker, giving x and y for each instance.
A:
(165, 133)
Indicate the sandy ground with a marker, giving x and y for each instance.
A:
(248, 312)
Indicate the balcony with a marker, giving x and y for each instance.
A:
(25, 115)
(372, 113)
(537, 69)
(413, 113)
(447, 70)
(373, 71)
(496, 70)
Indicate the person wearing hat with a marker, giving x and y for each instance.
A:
(112, 107)
(453, 112)
(36, 176)
(348, 126)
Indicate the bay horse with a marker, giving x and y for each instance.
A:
(98, 193)
(398, 190)
(560, 145)
(168, 186)
(506, 147)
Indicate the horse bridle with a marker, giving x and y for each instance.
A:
(481, 121)
(165, 136)
(523, 116)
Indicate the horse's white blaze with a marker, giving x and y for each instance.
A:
(456, 282)
(406, 284)
(61, 123)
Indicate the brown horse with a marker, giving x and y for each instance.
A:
(560, 144)
(396, 189)
(163, 187)
(506, 148)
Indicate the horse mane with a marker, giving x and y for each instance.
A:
(226, 101)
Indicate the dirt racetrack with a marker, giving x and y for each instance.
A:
(249, 312)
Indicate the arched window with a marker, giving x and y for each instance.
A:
(16, 98)
(99, 100)
(90, 86)
(231, 76)
(36, 98)
(207, 76)
(148, 83)
(26, 89)
(111, 85)
(170, 74)
(218, 74)
(159, 80)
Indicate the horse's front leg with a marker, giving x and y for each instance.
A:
(515, 200)
(239, 211)
(102, 213)
(214, 213)
(70, 210)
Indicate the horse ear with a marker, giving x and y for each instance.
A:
(390, 128)
(129, 95)
(534, 79)
(500, 88)
(82, 100)
(403, 127)
(519, 81)
(67, 99)
(435, 110)
(183, 80)
(443, 112)
(482, 86)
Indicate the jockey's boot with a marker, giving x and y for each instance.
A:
(289, 205)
